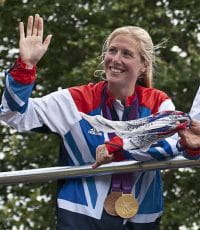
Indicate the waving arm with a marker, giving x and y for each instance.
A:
(31, 44)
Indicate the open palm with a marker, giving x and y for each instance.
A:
(31, 45)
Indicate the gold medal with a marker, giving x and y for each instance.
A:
(126, 206)
(109, 204)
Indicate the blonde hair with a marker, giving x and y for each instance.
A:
(145, 46)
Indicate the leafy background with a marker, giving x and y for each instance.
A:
(79, 28)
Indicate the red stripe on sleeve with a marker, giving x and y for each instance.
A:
(22, 74)
(115, 146)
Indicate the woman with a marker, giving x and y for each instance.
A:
(128, 58)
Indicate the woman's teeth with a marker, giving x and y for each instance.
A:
(114, 70)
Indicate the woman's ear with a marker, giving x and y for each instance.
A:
(143, 70)
(145, 65)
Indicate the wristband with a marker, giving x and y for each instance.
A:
(189, 151)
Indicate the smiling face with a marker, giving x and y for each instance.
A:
(123, 65)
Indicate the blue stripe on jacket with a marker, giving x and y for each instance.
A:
(153, 200)
(69, 189)
(20, 91)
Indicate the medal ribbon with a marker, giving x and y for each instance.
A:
(120, 182)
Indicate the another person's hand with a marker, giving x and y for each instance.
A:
(31, 45)
(102, 156)
(191, 137)
(195, 127)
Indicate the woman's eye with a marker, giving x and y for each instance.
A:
(127, 54)
(112, 50)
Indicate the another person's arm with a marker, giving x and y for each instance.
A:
(191, 137)
(189, 141)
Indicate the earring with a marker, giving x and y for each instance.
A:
(100, 74)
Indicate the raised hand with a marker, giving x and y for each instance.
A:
(31, 45)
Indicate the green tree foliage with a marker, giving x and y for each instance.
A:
(79, 28)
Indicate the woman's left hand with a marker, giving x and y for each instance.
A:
(102, 156)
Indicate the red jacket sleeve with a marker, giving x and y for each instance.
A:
(22, 74)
